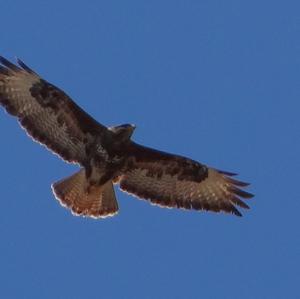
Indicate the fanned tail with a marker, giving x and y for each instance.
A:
(76, 193)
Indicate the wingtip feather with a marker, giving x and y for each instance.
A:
(237, 182)
(24, 66)
(8, 64)
(236, 212)
(226, 172)
(240, 192)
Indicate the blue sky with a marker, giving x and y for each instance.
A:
(217, 81)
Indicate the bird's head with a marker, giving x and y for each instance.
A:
(123, 132)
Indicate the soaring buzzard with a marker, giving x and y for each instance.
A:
(108, 156)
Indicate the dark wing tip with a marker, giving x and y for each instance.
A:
(236, 212)
(240, 192)
(24, 66)
(226, 172)
(237, 201)
(8, 64)
(234, 183)
(236, 193)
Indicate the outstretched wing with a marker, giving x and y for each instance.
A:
(177, 182)
(46, 112)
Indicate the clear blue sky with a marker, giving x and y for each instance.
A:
(217, 81)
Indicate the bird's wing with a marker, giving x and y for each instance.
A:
(177, 182)
(47, 114)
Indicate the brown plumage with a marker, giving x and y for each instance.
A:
(107, 155)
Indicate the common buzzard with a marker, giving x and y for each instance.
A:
(108, 156)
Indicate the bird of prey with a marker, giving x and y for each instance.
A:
(108, 156)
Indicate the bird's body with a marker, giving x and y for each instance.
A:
(108, 155)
